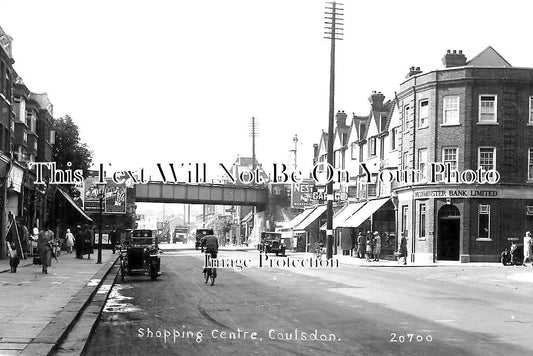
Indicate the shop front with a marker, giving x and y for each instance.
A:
(310, 227)
(463, 223)
(375, 215)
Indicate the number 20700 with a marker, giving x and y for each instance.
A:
(410, 338)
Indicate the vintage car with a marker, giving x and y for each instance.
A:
(200, 233)
(271, 242)
(140, 255)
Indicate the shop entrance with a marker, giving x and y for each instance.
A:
(448, 239)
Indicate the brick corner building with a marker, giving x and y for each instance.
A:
(472, 115)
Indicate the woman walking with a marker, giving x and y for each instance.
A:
(70, 241)
(45, 248)
(403, 249)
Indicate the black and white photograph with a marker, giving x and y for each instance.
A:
(253, 177)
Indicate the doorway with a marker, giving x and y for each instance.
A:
(448, 239)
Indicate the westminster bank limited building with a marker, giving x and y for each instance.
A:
(473, 115)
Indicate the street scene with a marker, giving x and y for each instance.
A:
(272, 177)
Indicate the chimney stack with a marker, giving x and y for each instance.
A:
(376, 99)
(454, 59)
(413, 71)
(341, 118)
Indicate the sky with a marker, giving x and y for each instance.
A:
(179, 81)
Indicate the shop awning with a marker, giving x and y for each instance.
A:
(74, 205)
(345, 213)
(364, 213)
(315, 214)
(298, 219)
(248, 217)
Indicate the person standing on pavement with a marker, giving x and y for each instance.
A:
(24, 238)
(88, 242)
(403, 248)
(527, 248)
(69, 237)
(368, 247)
(360, 245)
(114, 239)
(377, 246)
(45, 248)
(79, 241)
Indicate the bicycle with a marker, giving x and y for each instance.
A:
(319, 249)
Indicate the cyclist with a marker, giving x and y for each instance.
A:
(210, 244)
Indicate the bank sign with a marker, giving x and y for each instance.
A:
(456, 193)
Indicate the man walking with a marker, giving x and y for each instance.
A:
(527, 248)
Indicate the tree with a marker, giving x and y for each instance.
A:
(68, 146)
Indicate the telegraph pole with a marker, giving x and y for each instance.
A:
(295, 140)
(333, 31)
(253, 134)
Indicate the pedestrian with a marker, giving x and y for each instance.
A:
(13, 257)
(377, 246)
(360, 245)
(79, 241)
(56, 245)
(24, 238)
(88, 242)
(368, 247)
(114, 239)
(69, 237)
(35, 232)
(403, 248)
(45, 248)
(527, 248)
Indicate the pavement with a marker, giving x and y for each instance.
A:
(38, 310)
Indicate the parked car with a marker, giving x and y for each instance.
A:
(140, 255)
(271, 242)
(200, 233)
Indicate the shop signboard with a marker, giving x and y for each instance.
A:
(302, 194)
(114, 201)
(91, 201)
(115, 198)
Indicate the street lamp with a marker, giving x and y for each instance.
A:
(101, 196)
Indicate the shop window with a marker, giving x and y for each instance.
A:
(405, 211)
(422, 222)
(483, 222)
(371, 187)
(487, 109)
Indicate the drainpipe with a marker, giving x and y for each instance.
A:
(415, 158)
